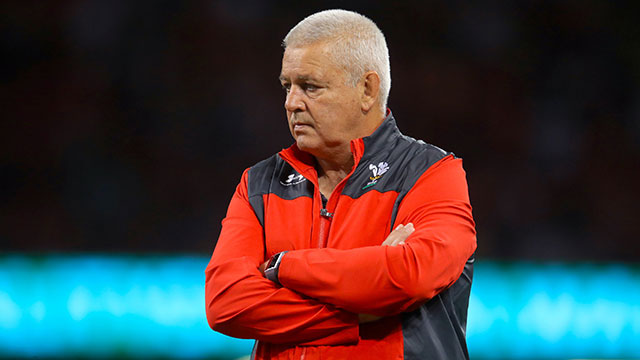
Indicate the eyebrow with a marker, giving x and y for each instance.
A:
(301, 78)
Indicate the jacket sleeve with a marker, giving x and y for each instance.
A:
(387, 280)
(241, 303)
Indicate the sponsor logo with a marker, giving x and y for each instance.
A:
(293, 179)
(378, 171)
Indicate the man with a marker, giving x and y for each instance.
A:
(357, 241)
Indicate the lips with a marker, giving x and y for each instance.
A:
(299, 125)
(296, 123)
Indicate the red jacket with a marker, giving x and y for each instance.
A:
(335, 267)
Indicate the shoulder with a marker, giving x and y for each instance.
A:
(419, 152)
(396, 164)
(390, 143)
(276, 176)
(260, 174)
(414, 157)
(265, 167)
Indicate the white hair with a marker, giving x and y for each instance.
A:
(357, 43)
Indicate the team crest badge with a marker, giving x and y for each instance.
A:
(378, 171)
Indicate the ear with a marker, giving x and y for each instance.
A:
(370, 88)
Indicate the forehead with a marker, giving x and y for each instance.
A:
(309, 62)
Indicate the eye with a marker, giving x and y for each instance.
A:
(286, 87)
(310, 87)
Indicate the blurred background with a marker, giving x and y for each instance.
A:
(126, 126)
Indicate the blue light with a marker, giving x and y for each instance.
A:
(107, 306)
(153, 306)
(547, 311)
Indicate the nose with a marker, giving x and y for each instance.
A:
(294, 102)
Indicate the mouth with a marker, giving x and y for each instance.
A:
(296, 125)
(299, 124)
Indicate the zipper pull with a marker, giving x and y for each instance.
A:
(326, 213)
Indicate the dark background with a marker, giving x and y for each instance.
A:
(126, 124)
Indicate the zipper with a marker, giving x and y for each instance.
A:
(332, 203)
(325, 213)
(325, 222)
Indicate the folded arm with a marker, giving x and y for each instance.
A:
(240, 302)
(387, 280)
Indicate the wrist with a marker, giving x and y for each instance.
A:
(273, 267)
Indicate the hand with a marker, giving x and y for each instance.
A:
(399, 235)
(263, 266)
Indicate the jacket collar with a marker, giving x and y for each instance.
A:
(381, 139)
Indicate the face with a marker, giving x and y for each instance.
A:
(323, 109)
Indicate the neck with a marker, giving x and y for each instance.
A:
(332, 170)
(338, 164)
(372, 119)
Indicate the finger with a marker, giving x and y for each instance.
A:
(396, 239)
(390, 238)
(399, 234)
(388, 241)
(402, 235)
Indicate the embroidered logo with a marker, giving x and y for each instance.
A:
(293, 179)
(378, 171)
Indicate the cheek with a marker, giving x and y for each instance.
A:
(349, 115)
(348, 103)
(290, 126)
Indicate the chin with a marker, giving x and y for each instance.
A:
(302, 145)
(306, 146)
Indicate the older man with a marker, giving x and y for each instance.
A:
(356, 242)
